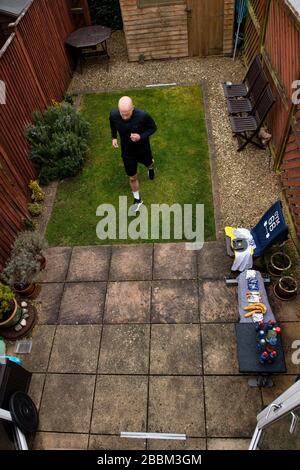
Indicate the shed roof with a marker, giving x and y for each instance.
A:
(13, 7)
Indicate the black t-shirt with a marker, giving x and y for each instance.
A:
(139, 123)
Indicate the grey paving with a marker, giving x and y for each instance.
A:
(141, 338)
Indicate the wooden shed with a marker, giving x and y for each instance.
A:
(273, 30)
(163, 29)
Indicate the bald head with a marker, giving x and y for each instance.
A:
(125, 107)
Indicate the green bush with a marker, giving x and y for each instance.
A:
(21, 269)
(107, 13)
(58, 140)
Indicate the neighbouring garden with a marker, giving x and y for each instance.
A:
(180, 150)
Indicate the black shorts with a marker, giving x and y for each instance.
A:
(131, 163)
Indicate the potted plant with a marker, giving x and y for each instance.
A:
(286, 288)
(37, 194)
(279, 262)
(20, 272)
(35, 209)
(33, 243)
(10, 313)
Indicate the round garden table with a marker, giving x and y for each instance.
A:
(90, 41)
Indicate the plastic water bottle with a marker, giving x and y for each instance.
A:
(272, 356)
(263, 357)
(259, 326)
(261, 345)
(271, 337)
(260, 335)
(270, 324)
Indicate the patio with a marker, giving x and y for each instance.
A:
(130, 338)
(141, 337)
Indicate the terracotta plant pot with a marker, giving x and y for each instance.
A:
(279, 263)
(286, 288)
(28, 291)
(13, 317)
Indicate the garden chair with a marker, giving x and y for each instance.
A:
(248, 105)
(244, 89)
(246, 128)
(270, 230)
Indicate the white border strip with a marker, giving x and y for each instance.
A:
(153, 435)
(160, 84)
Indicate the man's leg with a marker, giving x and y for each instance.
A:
(134, 183)
(135, 187)
(148, 161)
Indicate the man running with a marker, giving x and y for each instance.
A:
(134, 127)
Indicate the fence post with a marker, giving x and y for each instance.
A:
(86, 10)
(264, 27)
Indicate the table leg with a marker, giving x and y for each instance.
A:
(262, 381)
(104, 47)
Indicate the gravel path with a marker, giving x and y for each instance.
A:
(246, 184)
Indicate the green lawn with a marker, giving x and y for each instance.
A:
(180, 150)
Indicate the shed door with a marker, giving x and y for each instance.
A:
(205, 27)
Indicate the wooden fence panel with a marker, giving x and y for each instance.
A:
(273, 31)
(290, 169)
(36, 69)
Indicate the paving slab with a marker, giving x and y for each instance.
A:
(213, 261)
(60, 441)
(231, 406)
(99, 442)
(120, 404)
(37, 360)
(50, 300)
(128, 302)
(219, 349)
(131, 263)
(75, 349)
(36, 388)
(175, 301)
(124, 349)
(173, 261)
(57, 262)
(190, 443)
(291, 345)
(175, 350)
(83, 303)
(176, 405)
(280, 384)
(287, 311)
(217, 302)
(89, 263)
(67, 403)
(228, 444)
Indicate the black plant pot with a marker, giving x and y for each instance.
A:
(279, 263)
(286, 288)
